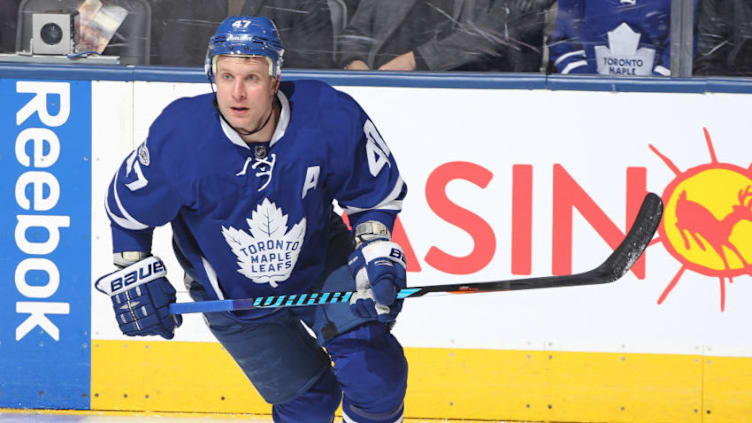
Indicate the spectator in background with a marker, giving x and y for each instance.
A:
(351, 5)
(185, 25)
(8, 22)
(438, 35)
(724, 38)
(612, 37)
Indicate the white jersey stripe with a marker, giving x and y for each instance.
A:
(394, 205)
(388, 203)
(127, 221)
(284, 118)
(568, 55)
(212, 275)
(574, 65)
(662, 70)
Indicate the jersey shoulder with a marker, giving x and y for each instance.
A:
(316, 94)
(316, 103)
(181, 129)
(186, 113)
(181, 121)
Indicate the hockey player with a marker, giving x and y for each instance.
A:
(246, 178)
(612, 37)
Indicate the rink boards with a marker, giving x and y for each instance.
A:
(515, 176)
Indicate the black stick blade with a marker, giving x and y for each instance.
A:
(616, 265)
(637, 239)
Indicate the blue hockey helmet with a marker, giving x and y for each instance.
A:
(245, 36)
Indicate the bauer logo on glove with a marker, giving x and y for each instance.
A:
(378, 267)
(141, 297)
(398, 254)
(150, 271)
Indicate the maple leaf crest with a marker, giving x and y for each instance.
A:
(269, 252)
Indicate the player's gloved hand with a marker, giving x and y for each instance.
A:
(378, 267)
(141, 297)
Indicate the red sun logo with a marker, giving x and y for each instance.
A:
(707, 222)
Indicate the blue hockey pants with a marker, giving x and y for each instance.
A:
(291, 370)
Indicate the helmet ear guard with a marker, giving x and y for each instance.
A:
(245, 36)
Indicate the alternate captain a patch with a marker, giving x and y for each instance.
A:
(269, 252)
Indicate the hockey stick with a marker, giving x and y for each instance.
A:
(615, 266)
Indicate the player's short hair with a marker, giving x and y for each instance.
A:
(268, 60)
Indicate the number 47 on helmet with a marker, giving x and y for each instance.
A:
(245, 36)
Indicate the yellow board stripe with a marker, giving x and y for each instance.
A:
(151, 416)
(169, 376)
(450, 383)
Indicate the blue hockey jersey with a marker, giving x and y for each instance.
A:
(252, 220)
(612, 37)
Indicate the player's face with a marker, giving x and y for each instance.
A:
(245, 90)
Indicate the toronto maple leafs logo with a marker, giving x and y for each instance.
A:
(623, 55)
(269, 253)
